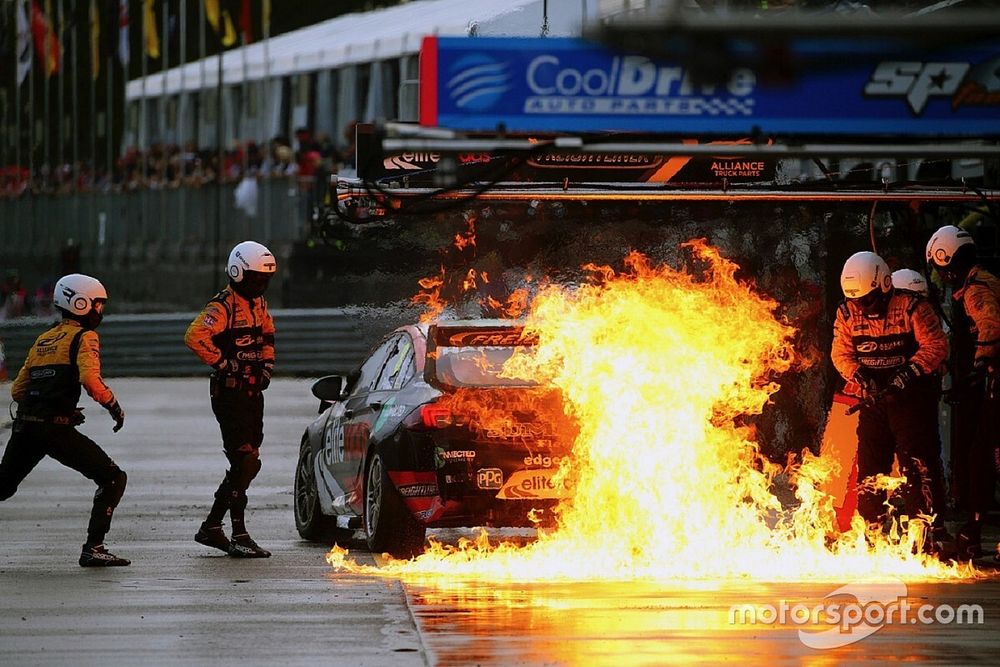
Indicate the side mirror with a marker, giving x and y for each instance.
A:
(328, 389)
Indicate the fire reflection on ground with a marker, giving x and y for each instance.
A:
(635, 623)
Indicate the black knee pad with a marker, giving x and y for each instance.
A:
(225, 490)
(243, 472)
(112, 487)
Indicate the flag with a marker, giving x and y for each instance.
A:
(46, 43)
(123, 50)
(246, 22)
(229, 35)
(149, 27)
(220, 20)
(23, 44)
(95, 41)
(212, 13)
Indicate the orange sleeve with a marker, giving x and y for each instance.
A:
(267, 328)
(20, 386)
(209, 322)
(88, 360)
(932, 342)
(842, 352)
(982, 307)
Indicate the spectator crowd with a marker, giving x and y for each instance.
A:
(165, 166)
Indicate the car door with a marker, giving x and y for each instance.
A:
(350, 431)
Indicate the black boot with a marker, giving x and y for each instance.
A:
(212, 536)
(243, 546)
(98, 556)
(969, 542)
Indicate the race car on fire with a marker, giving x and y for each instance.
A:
(431, 431)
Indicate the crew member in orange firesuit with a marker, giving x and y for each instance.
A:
(890, 347)
(47, 390)
(234, 335)
(951, 252)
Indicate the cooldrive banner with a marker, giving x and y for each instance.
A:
(428, 168)
(568, 85)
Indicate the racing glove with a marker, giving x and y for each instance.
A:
(905, 376)
(117, 414)
(265, 377)
(228, 366)
(983, 368)
(867, 384)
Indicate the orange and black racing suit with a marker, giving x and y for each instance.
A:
(902, 422)
(235, 336)
(977, 340)
(47, 389)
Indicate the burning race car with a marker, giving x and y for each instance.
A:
(432, 431)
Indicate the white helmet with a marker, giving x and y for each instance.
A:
(863, 272)
(945, 243)
(76, 293)
(249, 256)
(911, 280)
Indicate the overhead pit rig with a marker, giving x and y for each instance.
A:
(682, 107)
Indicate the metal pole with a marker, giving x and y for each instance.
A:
(182, 119)
(93, 100)
(143, 129)
(17, 98)
(164, 117)
(266, 24)
(75, 115)
(219, 126)
(31, 121)
(202, 83)
(109, 115)
(46, 157)
(62, 89)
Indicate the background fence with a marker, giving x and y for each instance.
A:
(309, 342)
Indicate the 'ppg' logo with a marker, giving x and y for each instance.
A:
(478, 82)
(915, 81)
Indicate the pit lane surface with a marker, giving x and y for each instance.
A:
(180, 603)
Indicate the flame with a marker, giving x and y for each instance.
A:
(661, 371)
(454, 284)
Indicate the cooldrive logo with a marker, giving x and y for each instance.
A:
(478, 82)
(633, 85)
(918, 82)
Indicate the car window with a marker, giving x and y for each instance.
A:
(408, 371)
(477, 367)
(394, 365)
(372, 366)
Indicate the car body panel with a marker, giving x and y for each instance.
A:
(455, 475)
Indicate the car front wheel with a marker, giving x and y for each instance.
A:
(389, 526)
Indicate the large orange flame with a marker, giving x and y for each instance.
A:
(660, 370)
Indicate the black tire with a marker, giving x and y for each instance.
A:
(310, 521)
(389, 526)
